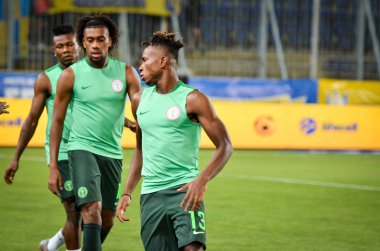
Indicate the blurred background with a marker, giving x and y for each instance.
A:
(254, 58)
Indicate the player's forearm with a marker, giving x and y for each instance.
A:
(134, 174)
(218, 161)
(26, 134)
(55, 139)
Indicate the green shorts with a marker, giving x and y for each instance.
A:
(95, 178)
(167, 226)
(67, 184)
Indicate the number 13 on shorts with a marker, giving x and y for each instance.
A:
(198, 223)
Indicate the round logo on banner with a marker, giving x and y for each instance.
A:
(264, 125)
(117, 85)
(308, 126)
(173, 113)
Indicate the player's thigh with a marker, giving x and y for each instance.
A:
(189, 226)
(157, 232)
(67, 183)
(110, 170)
(86, 176)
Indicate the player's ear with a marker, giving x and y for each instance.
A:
(163, 61)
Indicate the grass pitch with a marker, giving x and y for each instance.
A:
(262, 200)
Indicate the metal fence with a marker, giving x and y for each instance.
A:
(245, 38)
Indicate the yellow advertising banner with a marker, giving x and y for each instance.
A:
(146, 7)
(253, 126)
(343, 92)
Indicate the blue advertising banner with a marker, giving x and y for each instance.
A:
(261, 90)
(20, 85)
(17, 85)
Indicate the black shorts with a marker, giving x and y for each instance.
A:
(67, 184)
(95, 178)
(167, 226)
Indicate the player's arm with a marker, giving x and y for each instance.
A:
(61, 102)
(133, 87)
(134, 174)
(42, 91)
(199, 108)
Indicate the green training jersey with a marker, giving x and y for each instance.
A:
(98, 103)
(170, 140)
(53, 74)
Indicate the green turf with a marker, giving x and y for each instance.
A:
(248, 208)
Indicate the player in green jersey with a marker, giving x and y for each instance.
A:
(66, 50)
(169, 116)
(3, 107)
(98, 86)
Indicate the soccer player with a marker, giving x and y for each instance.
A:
(170, 116)
(3, 107)
(66, 51)
(97, 86)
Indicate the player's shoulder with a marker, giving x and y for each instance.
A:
(115, 61)
(52, 69)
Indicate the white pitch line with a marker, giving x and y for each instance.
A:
(306, 182)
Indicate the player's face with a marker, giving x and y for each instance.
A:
(96, 41)
(66, 49)
(151, 64)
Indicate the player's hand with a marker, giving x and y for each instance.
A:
(195, 192)
(131, 125)
(10, 172)
(55, 179)
(122, 208)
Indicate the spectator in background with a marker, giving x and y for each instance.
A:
(3, 107)
(192, 9)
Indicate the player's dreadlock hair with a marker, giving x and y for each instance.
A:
(166, 40)
(62, 30)
(97, 21)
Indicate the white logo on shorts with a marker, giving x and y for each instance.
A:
(117, 85)
(173, 113)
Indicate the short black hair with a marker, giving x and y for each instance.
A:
(167, 40)
(62, 30)
(97, 21)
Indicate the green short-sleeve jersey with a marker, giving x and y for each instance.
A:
(98, 103)
(53, 73)
(170, 140)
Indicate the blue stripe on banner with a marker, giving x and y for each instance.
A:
(17, 85)
(2, 10)
(25, 8)
(295, 90)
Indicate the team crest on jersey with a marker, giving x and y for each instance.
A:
(173, 113)
(117, 85)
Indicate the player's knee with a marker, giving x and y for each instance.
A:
(195, 246)
(91, 213)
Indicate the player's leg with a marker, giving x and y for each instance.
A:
(190, 226)
(110, 170)
(156, 225)
(86, 180)
(72, 228)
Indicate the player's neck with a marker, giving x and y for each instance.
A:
(166, 84)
